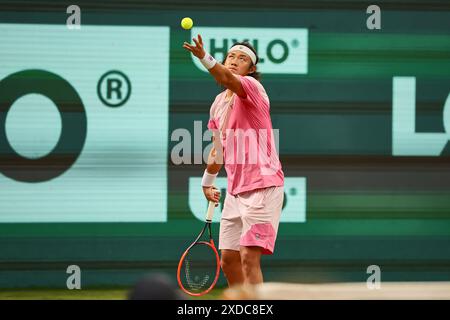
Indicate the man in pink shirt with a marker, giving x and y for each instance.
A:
(244, 142)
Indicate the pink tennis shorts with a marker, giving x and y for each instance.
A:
(251, 219)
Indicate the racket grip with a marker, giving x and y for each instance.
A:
(210, 212)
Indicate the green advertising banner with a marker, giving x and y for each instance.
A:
(108, 146)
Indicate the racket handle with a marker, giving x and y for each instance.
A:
(210, 212)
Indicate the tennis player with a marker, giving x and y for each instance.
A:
(244, 142)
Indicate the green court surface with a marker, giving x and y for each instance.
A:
(83, 294)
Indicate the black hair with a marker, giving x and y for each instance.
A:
(255, 74)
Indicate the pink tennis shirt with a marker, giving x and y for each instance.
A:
(248, 140)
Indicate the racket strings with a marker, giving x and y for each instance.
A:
(196, 286)
(199, 268)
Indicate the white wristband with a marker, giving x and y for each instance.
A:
(208, 179)
(208, 61)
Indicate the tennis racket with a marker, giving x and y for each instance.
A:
(199, 267)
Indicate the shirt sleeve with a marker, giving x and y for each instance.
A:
(212, 124)
(250, 86)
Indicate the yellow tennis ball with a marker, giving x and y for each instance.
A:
(187, 23)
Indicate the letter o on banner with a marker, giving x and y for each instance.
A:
(73, 133)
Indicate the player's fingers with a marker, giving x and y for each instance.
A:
(214, 199)
(196, 42)
(187, 47)
(200, 39)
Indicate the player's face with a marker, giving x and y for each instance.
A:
(239, 63)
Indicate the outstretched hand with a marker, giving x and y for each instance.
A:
(196, 50)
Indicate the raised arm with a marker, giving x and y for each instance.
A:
(222, 75)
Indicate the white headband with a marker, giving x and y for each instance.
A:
(244, 49)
